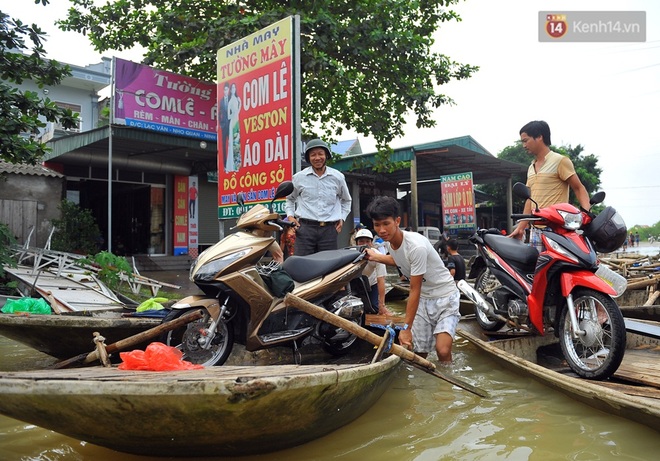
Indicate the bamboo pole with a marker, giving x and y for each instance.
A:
(642, 284)
(131, 341)
(653, 298)
(363, 333)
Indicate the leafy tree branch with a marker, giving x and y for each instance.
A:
(23, 113)
(366, 64)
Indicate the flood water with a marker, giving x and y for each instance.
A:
(419, 418)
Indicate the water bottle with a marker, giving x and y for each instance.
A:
(616, 281)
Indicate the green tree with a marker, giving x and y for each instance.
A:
(7, 239)
(365, 63)
(586, 167)
(76, 231)
(22, 113)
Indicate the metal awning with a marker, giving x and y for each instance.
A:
(450, 156)
(135, 149)
(436, 159)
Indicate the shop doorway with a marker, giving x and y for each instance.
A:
(131, 214)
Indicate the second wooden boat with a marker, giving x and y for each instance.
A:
(633, 392)
(67, 335)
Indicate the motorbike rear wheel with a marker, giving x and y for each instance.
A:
(189, 338)
(598, 353)
(483, 281)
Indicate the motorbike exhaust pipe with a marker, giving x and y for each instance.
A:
(479, 301)
(474, 296)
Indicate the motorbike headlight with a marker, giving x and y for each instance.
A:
(208, 271)
(572, 221)
(561, 250)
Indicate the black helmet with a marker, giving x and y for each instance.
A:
(607, 231)
(317, 143)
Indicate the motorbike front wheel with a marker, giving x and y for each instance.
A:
(598, 353)
(482, 284)
(190, 339)
(337, 341)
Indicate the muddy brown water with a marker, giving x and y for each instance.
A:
(419, 418)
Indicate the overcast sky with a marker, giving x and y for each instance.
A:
(604, 96)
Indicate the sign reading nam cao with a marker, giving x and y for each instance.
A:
(458, 202)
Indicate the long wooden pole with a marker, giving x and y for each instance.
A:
(363, 333)
(132, 341)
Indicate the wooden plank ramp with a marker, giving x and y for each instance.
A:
(378, 320)
(641, 366)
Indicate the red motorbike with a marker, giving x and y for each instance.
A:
(557, 289)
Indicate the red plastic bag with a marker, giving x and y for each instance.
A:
(156, 357)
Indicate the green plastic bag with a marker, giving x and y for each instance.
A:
(152, 304)
(30, 305)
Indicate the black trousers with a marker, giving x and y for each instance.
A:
(313, 238)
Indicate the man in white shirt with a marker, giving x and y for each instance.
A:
(319, 203)
(432, 307)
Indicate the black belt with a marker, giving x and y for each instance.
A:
(317, 223)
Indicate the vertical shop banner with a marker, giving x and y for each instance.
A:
(162, 101)
(193, 232)
(181, 207)
(458, 202)
(257, 83)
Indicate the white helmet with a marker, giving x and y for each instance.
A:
(364, 233)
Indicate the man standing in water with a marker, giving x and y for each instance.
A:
(320, 202)
(432, 307)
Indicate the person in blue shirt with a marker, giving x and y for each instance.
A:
(319, 203)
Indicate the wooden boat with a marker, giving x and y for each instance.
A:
(633, 392)
(399, 290)
(639, 303)
(67, 335)
(642, 312)
(230, 410)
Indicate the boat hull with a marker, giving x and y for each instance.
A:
(66, 336)
(218, 411)
(642, 312)
(637, 403)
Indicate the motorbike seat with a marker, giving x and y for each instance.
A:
(513, 251)
(304, 268)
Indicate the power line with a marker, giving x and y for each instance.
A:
(633, 187)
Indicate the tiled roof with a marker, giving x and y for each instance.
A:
(22, 168)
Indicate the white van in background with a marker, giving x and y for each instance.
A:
(431, 233)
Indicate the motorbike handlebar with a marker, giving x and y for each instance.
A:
(282, 223)
(529, 217)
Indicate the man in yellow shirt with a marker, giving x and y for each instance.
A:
(549, 176)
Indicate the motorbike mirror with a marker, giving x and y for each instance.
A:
(522, 191)
(284, 189)
(598, 197)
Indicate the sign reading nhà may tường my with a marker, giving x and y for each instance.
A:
(258, 79)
